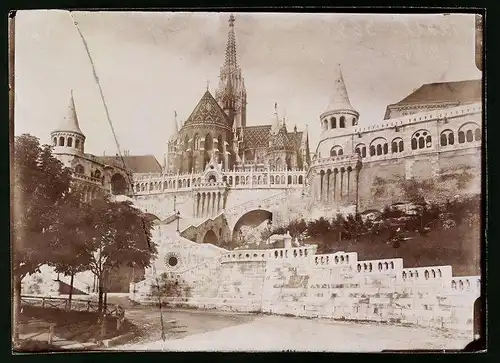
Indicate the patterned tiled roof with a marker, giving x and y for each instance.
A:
(208, 111)
(134, 163)
(462, 92)
(256, 136)
(259, 136)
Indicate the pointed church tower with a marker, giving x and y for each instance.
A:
(231, 94)
(339, 115)
(68, 138)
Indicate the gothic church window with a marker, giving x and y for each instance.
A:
(197, 142)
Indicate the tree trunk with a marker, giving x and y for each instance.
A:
(71, 291)
(100, 294)
(16, 306)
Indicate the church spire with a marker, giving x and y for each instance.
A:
(231, 62)
(231, 92)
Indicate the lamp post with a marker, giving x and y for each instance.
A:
(178, 217)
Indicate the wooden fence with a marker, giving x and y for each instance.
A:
(76, 305)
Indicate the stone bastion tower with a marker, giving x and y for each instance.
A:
(334, 173)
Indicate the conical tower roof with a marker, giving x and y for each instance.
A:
(70, 121)
(339, 100)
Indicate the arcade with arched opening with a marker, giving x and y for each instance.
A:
(249, 227)
(118, 185)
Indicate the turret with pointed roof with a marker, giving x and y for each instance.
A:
(339, 113)
(231, 93)
(68, 138)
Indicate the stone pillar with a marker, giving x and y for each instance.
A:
(208, 205)
(218, 202)
(213, 203)
(348, 186)
(328, 177)
(203, 197)
(321, 175)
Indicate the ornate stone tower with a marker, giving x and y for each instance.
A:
(68, 140)
(231, 93)
(335, 171)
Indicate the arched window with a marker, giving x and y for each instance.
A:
(426, 274)
(77, 143)
(336, 151)
(70, 142)
(421, 139)
(360, 150)
(54, 141)
(342, 122)
(469, 136)
(97, 174)
(79, 169)
(469, 132)
(397, 145)
(325, 124)
(197, 141)
(61, 141)
(333, 123)
(477, 135)
(447, 138)
(379, 146)
(354, 121)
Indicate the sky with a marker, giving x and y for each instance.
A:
(152, 64)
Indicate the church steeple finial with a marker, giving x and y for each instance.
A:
(175, 123)
(231, 61)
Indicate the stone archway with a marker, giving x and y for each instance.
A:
(211, 237)
(251, 219)
(118, 185)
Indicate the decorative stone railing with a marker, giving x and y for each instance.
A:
(338, 258)
(86, 178)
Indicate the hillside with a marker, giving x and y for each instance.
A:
(458, 246)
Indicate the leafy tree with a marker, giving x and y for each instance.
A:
(71, 234)
(297, 227)
(40, 184)
(319, 229)
(121, 237)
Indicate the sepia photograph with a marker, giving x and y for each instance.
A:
(246, 181)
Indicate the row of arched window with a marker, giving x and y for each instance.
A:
(464, 136)
(331, 123)
(63, 141)
(421, 139)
